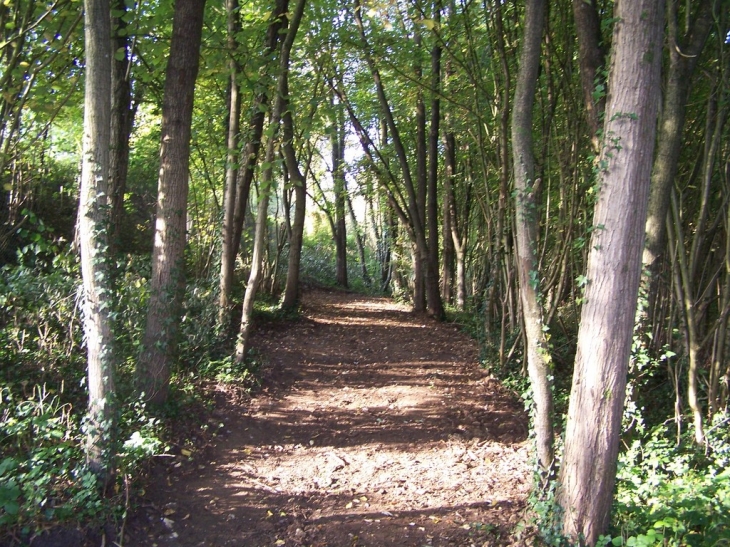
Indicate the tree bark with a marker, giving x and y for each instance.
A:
(588, 473)
(228, 253)
(168, 260)
(526, 187)
(591, 58)
(683, 58)
(340, 190)
(249, 158)
(433, 298)
(93, 236)
(299, 182)
(419, 261)
(122, 121)
(265, 187)
(415, 218)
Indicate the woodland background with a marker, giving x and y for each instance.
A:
(393, 122)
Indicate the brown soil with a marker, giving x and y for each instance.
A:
(374, 427)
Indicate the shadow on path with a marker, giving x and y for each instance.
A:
(374, 428)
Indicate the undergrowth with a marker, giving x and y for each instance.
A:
(44, 480)
(670, 492)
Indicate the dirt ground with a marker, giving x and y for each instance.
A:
(374, 427)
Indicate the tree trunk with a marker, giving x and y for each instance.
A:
(433, 288)
(683, 57)
(93, 236)
(588, 473)
(414, 216)
(228, 253)
(265, 187)
(122, 120)
(526, 187)
(591, 58)
(299, 182)
(168, 260)
(359, 240)
(340, 189)
(419, 261)
(248, 158)
(447, 269)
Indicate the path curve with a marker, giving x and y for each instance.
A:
(374, 428)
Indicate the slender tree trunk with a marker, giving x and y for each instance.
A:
(265, 187)
(526, 187)
(248, 158)
(359, 240)
(501, 239)
(588, 472)
(299, 182)
(228, 253)
(93, 236)
(683, 57)
(420, 262)
(340, 189)
(447, 270)
(122, 120)
(168, 261)
(433, 297)
(414, 216)
(591, 59)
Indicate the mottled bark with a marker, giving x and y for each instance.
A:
(299, 182)
(526, 187)
(588, 472)
(168, 261)
(122, 120)
(684, 55)
(93, 225)
(591, 59)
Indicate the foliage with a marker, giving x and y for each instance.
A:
(318, 262)
(673, 495)
(43, 477)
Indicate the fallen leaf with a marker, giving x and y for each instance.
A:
(185, 452)
(348, 506)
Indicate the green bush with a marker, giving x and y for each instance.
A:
(674, 495)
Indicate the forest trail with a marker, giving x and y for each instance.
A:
(374, 427)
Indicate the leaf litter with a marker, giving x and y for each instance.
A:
(373, 427)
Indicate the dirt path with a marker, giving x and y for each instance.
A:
(374, 428)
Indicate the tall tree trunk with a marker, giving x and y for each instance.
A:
(591, 59)
(526, 187)
(299, 182)
(433, 297)
(265, 187)
(93, 236)
(447, 211)
(168, 261)
(588, 472)
(228, 253)
(420, 262)
(414, 216)
(359, 240)
(683, 57)
(122, 121)
(249, 158)
(340, 189)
